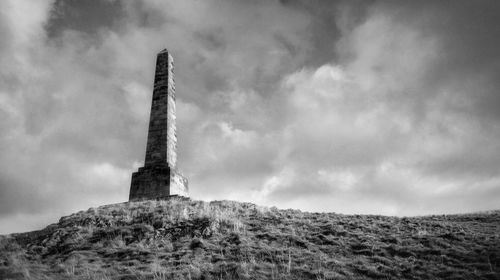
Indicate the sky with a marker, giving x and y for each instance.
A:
(366, 107)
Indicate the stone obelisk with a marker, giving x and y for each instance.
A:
(159, 178)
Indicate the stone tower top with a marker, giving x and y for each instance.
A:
(162, 139)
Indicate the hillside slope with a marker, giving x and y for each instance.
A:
(183, 239)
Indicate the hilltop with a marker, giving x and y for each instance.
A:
(184, 239)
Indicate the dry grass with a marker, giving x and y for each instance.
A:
(183, 239)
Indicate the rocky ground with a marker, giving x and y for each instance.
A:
(183, 239)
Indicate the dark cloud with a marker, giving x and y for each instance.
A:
(83, 15)
(466, 34)
(328, 20)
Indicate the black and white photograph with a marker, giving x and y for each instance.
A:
(249, 139)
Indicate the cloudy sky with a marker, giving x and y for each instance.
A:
(380, 107)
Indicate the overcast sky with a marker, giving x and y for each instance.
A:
(380, 107)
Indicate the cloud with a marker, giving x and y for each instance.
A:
(57, 118)
(354, 107)
(376, 129)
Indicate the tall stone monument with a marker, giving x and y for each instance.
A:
(159, 178)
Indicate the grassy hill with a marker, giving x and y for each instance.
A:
(183, 239)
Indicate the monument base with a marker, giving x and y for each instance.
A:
(157, 181)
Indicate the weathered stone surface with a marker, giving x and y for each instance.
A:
(157, 181)
(159, 176)
(162, 139)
